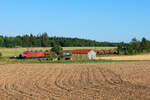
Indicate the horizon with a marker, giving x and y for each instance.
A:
(99, 20)
(72, 37)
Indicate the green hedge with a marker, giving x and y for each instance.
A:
(0, 54)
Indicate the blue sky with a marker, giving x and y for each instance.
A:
(101, 20)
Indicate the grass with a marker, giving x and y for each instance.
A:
(36, 61)
(11, 52)
(76, 62)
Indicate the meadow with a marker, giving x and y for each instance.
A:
(11, 52)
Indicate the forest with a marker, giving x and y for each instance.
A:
(134, 47)
(43, 40)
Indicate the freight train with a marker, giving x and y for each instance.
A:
(41, 54)
(104, 52)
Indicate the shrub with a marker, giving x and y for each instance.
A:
(52, 56)
(46, 51)
(20, 56)
(0, 54)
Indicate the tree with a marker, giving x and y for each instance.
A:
(26, 41)
(125, 48)
(56, 49)
(1, 42)
(129, 50)
(44, 40)
(135, 45)
(144, 44)
(18, 41)
(9, 43)
(33, 40)
(37, 43)
(121, 46)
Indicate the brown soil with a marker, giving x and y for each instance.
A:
(104, 81)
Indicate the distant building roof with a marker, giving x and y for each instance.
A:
(82, 51)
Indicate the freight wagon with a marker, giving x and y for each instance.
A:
(103, 52)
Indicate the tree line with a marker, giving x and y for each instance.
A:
(134, 47)
(44, 40)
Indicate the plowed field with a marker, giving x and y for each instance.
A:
(104, 81)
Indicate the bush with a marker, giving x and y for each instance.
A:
(0, 54)
(46, 51)
(62, 56)
(51, 57)
(148, 51)
(20, 56)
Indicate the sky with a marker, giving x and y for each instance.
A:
(100, 20)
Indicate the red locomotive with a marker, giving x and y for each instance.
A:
(36, 54)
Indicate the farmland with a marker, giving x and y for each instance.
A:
(10, 52)
(127, 57)
(103, 81)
